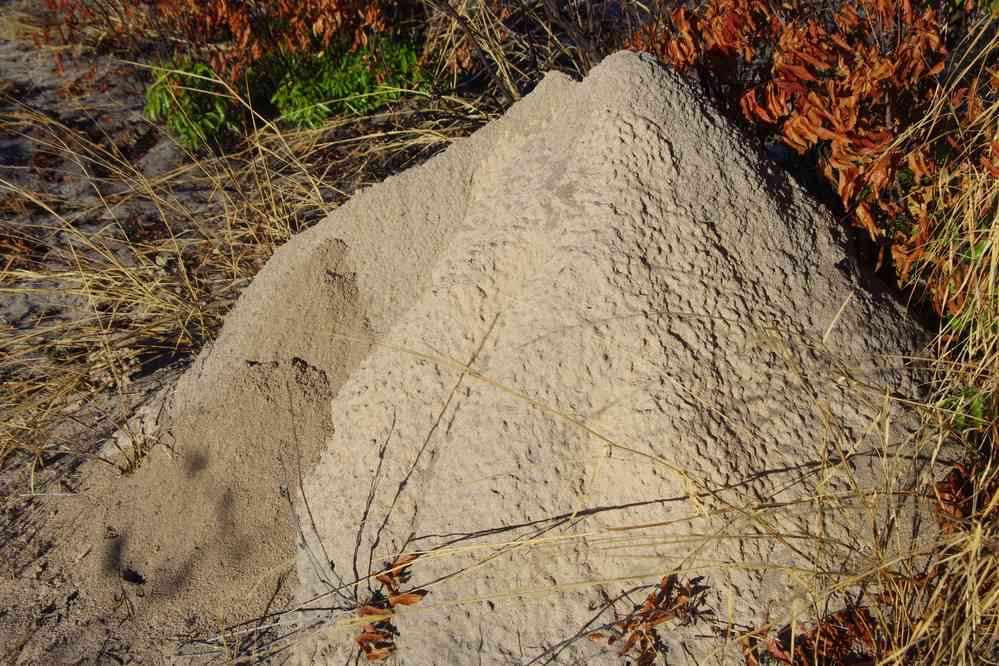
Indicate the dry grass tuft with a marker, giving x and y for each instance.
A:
(140, 274)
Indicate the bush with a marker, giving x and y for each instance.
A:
(189, 100)
(313, 87)
(304, 59)
(195, 104)
(253, 32)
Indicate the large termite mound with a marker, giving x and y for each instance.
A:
(625, 346)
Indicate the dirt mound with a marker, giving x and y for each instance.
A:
(200, 535)
(636, 342)
(601, 311)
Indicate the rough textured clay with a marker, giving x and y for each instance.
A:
(646, 312)
(601, 311)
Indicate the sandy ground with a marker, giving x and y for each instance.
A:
(44, 617)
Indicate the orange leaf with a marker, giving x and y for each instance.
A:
(883, 71)
(404, 560)
(775, 651)
(819, 63)
(379, 654)
(841, 43)
(829, 135)
(847, 19)
(990, 166)
(375, 610)
(659, 618)
(917, 162)
(387, 579)
(904, 260)
(407, 598)
(752, 110)
(799, 71)
(799, 133)
(373, 636)
(789, 88)
(867, 220)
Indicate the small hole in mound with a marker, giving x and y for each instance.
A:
(132, 576)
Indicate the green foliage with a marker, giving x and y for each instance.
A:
(973, 408)
(301, 89)
(192, 104)
(312, 88)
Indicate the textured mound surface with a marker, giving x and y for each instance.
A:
(633, 323)
(600, 312)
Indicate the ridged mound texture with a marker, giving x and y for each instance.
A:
(599, 341)
(633, 322)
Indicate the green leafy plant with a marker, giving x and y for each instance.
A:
(312, 88)
(301, 89)
(972, 408)
(192, 103)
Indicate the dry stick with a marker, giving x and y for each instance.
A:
(372, 489)
(440, 417)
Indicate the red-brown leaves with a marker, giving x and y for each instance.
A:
(377, 637)
(725, 27)
(407, 598)
(397, 573)
(637, 633)
(292, 26)
(964, 494)
(230, 34)
(847, 637)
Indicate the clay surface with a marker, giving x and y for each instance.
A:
(634, 342)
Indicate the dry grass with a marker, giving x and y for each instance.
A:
(142, 303)
(505, 48)
(874, 575)
(955, 618)
(130, 295)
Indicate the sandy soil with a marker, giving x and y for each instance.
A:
(44, 617)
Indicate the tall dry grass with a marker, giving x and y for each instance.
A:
(126, 303)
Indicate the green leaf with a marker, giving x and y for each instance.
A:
(196, 110)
